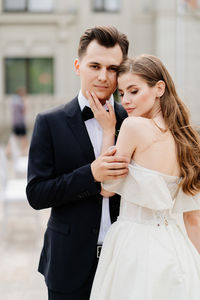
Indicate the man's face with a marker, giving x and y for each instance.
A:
(98, 70)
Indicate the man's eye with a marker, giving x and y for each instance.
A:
(113, 69)
(93, 66)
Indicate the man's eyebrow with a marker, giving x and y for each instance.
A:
(94, 63)
(110, 66)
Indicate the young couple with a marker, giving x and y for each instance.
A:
(155, 167)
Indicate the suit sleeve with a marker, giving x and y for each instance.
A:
(44, 188)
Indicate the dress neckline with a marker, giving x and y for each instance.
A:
(154, 171)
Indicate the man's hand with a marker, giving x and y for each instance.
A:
(108, 167)
(106, 194)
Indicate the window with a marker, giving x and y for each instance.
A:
(14, 5)
(35, 74)
(147, 5)
(106, 5)
(28, 5)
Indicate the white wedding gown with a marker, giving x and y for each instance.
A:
(146, 255)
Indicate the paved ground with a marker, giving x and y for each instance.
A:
(21, 242)
(21, 238)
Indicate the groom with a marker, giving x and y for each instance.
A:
(66, 168)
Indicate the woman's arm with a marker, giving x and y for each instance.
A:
(107, 120)
(129, 137)
(192, 225)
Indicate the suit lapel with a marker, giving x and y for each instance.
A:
(77, 125)
(114, 202)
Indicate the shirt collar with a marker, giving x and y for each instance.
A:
(84, 102)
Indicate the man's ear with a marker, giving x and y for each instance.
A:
(77, 66)
(160, 88)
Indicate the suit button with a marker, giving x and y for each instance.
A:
(95, 230)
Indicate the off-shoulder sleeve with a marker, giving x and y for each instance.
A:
(142, 188)
(184, 203)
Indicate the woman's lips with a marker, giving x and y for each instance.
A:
(129, 110)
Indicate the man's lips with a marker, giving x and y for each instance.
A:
(101, 86)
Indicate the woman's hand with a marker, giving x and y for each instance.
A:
(106, 119)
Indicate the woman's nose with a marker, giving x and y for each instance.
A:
(125, 99)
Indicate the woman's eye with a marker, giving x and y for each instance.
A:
(121, 95)
(134, 92)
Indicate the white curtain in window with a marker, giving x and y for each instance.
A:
(40, 5)
(14, 4)
(111, 5)
(107, 5)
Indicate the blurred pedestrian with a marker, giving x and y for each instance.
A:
(18, 107)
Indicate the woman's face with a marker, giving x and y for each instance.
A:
(137, 98)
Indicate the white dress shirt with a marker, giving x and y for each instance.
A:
(95, 133)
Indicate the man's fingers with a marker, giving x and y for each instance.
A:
(111, 177)
(113, 159)
(104, 167)
(118, 172)
(109, 152)
(118, 165)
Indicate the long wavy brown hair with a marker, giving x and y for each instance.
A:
(176, 116)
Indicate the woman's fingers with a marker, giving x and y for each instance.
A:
(91, 101)
(98, 104)
(106, 119)
(95, 104)
(110, 109)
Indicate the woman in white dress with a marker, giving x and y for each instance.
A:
(146, 255)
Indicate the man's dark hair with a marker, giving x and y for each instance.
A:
(107, 36)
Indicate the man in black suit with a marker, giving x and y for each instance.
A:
(66, 167)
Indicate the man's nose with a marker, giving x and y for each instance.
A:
(102, 75)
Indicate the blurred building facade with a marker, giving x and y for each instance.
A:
(39, 39)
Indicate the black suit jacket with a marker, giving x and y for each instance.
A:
(59, 176)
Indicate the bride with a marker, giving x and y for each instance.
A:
(146, 255)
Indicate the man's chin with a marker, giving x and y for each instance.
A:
(102, 98)
(103, 101)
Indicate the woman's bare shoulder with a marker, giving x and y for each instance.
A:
(138, 130)
(139, 123)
